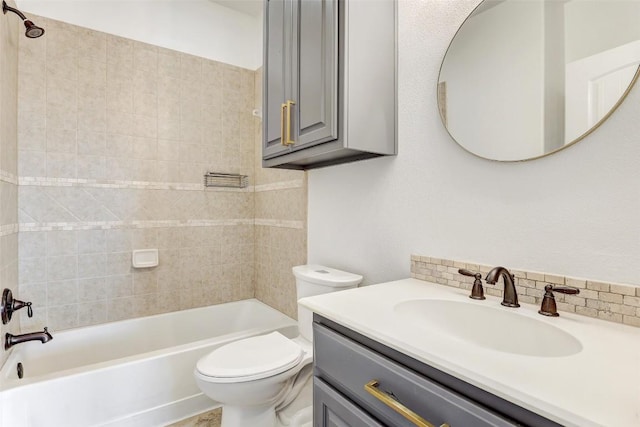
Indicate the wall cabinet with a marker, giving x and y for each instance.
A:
(356, 378)
(329, 82)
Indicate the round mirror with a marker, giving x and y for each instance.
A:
(525, 78)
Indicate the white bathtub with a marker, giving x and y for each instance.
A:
(135, 372)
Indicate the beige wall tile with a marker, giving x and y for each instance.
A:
(92, 73)
(93, 45)
(62, 293)
(32, 163)
(169, 63)
(93, 289)
(92, 265)
(622, 289)
(92, 313)
(91, 241)
(32, 138)
(119, 286)
(62, 317)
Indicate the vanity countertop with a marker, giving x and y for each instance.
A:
(599, 386)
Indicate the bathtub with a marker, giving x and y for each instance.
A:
(135, 372)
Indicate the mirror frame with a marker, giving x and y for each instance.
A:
(624, 95)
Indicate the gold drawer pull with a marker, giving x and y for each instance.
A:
(372, 388)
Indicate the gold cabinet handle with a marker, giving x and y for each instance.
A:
(287, 140)
(372, 388)
(283, 107)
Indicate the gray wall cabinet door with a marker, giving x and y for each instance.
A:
(332, 64)
(315, 80)
(276, 61)
(301, 66)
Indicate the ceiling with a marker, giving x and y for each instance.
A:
(250, 7)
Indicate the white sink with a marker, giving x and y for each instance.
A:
(495, 328)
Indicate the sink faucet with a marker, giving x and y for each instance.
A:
(510, 295)
(10, 340)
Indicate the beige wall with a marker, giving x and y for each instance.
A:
(281, 226)
(8, 163)
(115, 136)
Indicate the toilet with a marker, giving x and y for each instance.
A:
(254, 377)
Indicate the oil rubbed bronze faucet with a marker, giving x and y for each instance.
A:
(10, 340)
(510, 298)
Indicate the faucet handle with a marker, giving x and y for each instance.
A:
(548, 307)
(562, 289)
(470, 273)
(8, 305)
(17, 305)
(477, 292)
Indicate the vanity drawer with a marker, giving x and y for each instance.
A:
(349, 366)
(335, 410)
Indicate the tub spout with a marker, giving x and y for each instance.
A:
(10, 340)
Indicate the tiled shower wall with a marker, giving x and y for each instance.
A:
(281, 229)
(114, 138)
(8, 163)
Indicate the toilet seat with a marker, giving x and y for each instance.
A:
(251, 359)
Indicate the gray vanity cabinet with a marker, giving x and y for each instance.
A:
(356, 378)
(329, 82)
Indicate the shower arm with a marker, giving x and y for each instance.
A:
(32, 30)
(6, 7)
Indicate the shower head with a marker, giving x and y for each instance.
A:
(32, 30)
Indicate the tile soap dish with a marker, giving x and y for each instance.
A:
(144, 258)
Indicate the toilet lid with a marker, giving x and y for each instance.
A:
(251, 358)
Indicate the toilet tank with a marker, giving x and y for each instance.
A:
(315, 280)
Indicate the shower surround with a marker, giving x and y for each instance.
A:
(8, 162)
(114, 138)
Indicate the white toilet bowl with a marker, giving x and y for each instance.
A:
(250, 377)
(253, 377)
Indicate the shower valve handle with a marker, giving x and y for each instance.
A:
(9, 305)
(17, 305)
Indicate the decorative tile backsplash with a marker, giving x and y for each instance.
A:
(608, 301)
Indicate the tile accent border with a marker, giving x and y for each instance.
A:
(298, 225)
(8, 229)
(109, 225)
(37, 181)
(618, 303)
(284, 185)
(8, 177)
